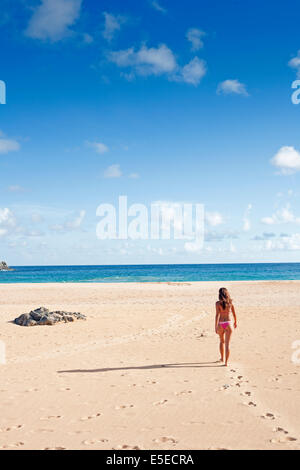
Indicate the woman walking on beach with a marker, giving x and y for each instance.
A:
(223, 324)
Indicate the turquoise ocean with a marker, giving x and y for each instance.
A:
(153, 273)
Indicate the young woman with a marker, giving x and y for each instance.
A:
(223, 323)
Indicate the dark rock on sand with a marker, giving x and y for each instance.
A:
(4, 267)
(43, 316)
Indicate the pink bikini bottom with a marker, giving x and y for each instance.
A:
(224, 324)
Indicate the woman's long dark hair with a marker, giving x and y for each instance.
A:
(225, 298)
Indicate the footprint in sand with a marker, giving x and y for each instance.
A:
(250, 403)
(161, 402)
(218, 448)
(165, 440)
(94, 441)
(283, 440)
(245, 394)
(55, 448)
(189, 423)
(123, 407)
(128, 447)
(184, 392)
(86, 418)
(280, 430)
(276, 378)
(50, 417)
(268, 416)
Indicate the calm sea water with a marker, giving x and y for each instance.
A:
(154, 273)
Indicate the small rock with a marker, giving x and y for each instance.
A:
(4, 267)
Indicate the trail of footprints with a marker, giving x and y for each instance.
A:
(240, 382)
(12, 428)
(15, 445)
(165, 440)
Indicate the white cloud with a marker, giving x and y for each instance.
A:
(134, 175)
(232, 87)
(52, 18)
(282, 216)
(268, 220)
(158, 7)
(287, 159)
(213, 236)
(264, 236)
(112, 24)
(8, 145)
(157, 61)
(285, 243)
(7, 221)
(194, 36)
(193, 72)
(76, 222)
(214, 218)
(113, 171)
(69, 225)
(99, 147)
(146, 61)
(295, 63)
(246, 219)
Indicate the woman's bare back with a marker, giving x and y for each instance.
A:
(224, 313)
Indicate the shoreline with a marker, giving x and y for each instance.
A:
(145, 283)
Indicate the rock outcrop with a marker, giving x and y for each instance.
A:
(4, 267)
(43, 316)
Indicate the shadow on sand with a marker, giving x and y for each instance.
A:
(195, 365)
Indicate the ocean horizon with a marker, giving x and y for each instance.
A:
(152, 273)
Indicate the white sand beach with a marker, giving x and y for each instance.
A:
(141, 371)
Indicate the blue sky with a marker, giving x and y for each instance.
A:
(157, 100)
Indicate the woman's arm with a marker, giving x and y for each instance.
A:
(234, 315)
(217, 317)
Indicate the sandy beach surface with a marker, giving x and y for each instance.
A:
(140, 373)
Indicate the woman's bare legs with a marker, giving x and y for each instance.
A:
(221, 332)
(228, 333)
